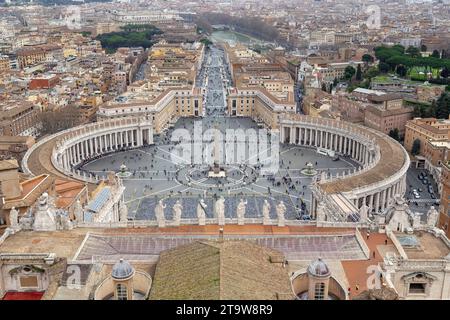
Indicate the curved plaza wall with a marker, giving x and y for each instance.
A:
(383, 161)
(74, 146)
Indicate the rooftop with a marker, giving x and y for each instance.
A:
(423, 245)
(226, 270)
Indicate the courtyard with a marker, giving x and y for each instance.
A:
(156, 174)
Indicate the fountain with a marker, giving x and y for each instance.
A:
(309, 170)
(123, 173)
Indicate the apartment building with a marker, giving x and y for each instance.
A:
(386, 112)
(31, 55)
(426, 129)
(444, 208)
(4, 64)
(19, 118)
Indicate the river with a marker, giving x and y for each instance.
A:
(234, 37)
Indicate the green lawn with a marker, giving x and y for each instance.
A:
(414, 72)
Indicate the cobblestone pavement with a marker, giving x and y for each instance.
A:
(155, 176)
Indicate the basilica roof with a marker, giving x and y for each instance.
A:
(226, 270)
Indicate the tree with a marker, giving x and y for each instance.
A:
(445, 55)
(372, 72)
(358, 76)
(394, 134)
(415, 150)
(61, 119)
(383, 67)
(206, 41)
(401, 70)
(423, 48)
(429, 112)
(324, 86)
(349, 72)
(367, 58)
(435, 54)
(445, 73)
(443, 106)
(335, 82)
(413, 51)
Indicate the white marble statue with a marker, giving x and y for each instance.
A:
(63, 220)
(240, 211)
(78, 211)
(281, 209)
(201, 212)
(320, 211)
(266, 212)
(123, 212)
(159, 213)
(363, 212)
(44, 219)
(432, 217)
(14, 218)
(416, 220)
(176, 212)
(219, 209)
(27, 220)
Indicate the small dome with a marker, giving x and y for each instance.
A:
(122, 270)
(318, 268)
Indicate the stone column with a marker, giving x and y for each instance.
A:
(316, 136)
(73, 152)
(377, 201)
(91, 147)
(383, 199)
(326, 139)
(82, 150)
(63, 159)
(111, 145)
(139, 137)
(126, 138)
(150, 135)
(291, 135)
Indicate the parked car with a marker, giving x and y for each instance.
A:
(416, 196)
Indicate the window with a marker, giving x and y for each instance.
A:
(121, 291)
(319, 291)
(417, 288)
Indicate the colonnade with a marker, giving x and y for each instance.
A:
(82, 143)
(357, 143)
(351, 145)
(91, 146)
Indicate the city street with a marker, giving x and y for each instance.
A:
(425, 200)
